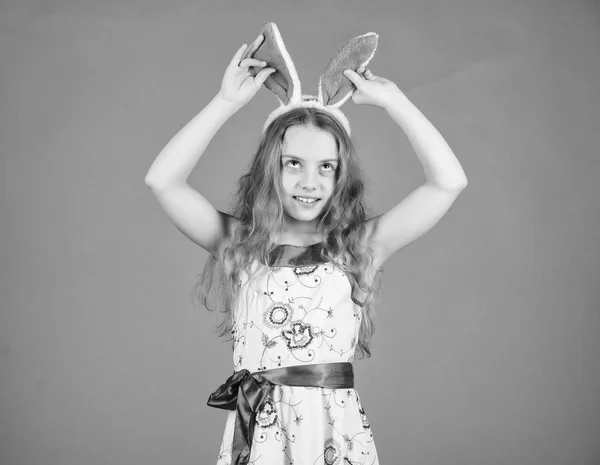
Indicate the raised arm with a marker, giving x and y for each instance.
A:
(167, 177)
(189, 210)
(178, 158)
(445, 179)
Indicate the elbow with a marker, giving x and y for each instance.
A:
(455, 186)
(159, 185)
(154, 185)
(150, 181)
(459, 187)
(461, 183)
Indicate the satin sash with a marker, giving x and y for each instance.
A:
(244, 392)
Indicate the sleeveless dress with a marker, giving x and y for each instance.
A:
(300, 312)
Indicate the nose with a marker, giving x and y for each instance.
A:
(309, 180)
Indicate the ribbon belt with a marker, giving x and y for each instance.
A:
(244, 392)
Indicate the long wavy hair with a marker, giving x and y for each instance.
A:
(258, 206)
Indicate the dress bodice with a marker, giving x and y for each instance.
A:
(295, 310)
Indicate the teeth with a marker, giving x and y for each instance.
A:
(302, 199)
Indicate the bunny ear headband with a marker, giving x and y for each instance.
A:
(334, 88)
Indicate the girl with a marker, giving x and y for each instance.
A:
(296, 267)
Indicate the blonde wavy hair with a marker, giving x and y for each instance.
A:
(258, 207)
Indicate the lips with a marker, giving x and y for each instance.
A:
(307, 203)
(306, 197)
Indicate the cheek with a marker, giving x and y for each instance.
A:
(331, 182)
(287, 182)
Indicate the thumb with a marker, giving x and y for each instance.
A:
(263, 74)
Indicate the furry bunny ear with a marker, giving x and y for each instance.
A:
(284, 82)
(334, 87)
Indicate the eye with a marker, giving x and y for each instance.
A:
(330, 165)
(292, 161)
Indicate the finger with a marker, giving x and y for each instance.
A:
(263, 74)
(252, 62)
(254, 46)
(353, 76)
(238, 55)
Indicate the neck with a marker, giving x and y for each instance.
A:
(293, 226)
(294, 238)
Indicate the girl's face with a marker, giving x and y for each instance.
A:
(309, 162)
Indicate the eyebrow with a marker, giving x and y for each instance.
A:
(300, 158)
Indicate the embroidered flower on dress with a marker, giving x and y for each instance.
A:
(278, 315)
(331, 454)
(266, 416)
(299, 336)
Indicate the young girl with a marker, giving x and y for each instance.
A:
(296, 268)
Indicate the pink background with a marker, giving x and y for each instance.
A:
(487, 349)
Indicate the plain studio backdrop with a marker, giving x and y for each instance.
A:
(487, 346)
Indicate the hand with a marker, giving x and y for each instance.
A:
(371, 89)
(239, 85)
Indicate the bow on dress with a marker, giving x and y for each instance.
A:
(243, 392)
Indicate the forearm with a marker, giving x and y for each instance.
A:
(178, 158)
(439, 163)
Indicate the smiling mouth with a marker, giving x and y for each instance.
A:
(308, 200)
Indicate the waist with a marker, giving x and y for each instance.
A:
(245, 392)
(332, 375)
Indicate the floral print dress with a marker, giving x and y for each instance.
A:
(300, 312)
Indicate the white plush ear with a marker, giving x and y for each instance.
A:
(284, 82)
(334, 87)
